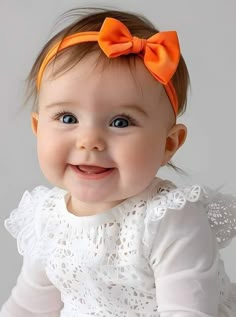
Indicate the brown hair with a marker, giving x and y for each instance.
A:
(85, 20)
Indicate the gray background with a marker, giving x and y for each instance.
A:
(207, 34)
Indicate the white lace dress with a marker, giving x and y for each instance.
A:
(155, 254)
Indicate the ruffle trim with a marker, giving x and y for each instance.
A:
(220, 209)
(169, 198)
(45, 226)
(38, 226)
(24, 222)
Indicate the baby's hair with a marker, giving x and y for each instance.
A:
(91, 19)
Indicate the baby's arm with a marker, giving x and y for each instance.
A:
(185, 263)
(34, 295)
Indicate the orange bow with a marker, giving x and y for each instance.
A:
(160, 52)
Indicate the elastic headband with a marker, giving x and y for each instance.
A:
(160, 52)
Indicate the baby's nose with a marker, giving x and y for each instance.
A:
(91, 142)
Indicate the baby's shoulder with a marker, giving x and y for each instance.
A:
(192, 205)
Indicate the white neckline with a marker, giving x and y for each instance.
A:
(107, 216)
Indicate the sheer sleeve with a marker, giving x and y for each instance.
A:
(185, 260)
(33, 295)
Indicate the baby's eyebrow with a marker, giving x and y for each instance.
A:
(135, 107)
(59, 103)
(130, 107)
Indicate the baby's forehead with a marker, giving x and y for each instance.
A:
(127, 73)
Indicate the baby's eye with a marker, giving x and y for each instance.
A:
(122, 122)
(66, 118)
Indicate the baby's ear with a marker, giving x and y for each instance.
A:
(175, 139)
(34, 122)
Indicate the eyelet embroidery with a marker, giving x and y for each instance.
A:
(167, 198)
(46, 234)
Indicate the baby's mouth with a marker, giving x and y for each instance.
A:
(89, 169)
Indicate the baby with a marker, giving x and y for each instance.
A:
(111, 238)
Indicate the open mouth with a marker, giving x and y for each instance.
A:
(89, 172)
(88, 169)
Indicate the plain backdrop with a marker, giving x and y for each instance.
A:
(206, 30)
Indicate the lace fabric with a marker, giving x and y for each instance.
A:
(221, 211)
(92, 259)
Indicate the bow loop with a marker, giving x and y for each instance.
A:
(162, 55)
(114, 38)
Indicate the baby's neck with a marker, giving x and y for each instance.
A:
(83, 209)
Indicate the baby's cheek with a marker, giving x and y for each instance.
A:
(49, 157)
(147, 156)
(45, 161)
(138, 151)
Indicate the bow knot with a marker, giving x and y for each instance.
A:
(138, 45)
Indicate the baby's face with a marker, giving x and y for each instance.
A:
(102, 134)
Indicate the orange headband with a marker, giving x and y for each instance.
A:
(160, 52)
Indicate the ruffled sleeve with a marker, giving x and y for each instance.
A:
(184, 255)
(184, 229)
(24, 223)
(220, 209)
(34, 294)
(166, 199)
